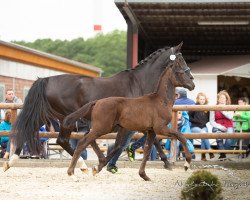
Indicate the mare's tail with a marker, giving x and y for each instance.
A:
(83, 112)
(36, 112)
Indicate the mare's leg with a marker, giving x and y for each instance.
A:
(14, 157)
(63, 141)
(121, 142)
(163, 156)
(147, 150)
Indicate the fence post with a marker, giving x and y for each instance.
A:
(173, 146)
(13, 116)
(12, 120)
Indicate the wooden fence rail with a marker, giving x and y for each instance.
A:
(75, 135)
(176, 108)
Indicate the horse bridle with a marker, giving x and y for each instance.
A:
(173, 58)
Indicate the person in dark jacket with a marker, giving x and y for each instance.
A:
(181, 97)
(198, 120)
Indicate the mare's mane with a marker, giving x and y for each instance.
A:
(152, 57)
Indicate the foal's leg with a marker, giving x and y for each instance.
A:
(83, 143)
(163, 156)
(179, 136)
(147, 150)
(100, 155)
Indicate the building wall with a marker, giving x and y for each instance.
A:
(25, 71)
(20, 86)
(20, 76)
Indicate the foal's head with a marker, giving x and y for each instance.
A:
(182, 75)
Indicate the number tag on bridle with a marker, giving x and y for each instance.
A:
(172, 57)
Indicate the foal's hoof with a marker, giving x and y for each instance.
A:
(186, 165)
(6, 166)
(94, 170)
(85, 171)
(146, 178)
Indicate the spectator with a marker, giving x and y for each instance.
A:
(83, 127)
(183, 127)
(244, 126)
(111, 167)
(198, 120)
(10, 98)
(43, 144)
(136, 145)
(221, 121)
(181, 97)
(5, 125)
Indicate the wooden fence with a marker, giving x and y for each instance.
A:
(176, 108)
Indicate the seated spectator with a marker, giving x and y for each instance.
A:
(198, 121)
(5, 125)
(42, 147)
(183, 127)
(221, 121)
(244, 126)
(43, 144)
(181, 97)
(9, 98)
(83, 127)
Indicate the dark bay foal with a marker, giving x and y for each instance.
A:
(150, 113)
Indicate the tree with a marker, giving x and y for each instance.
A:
(107, 51)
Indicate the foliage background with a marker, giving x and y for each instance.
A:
(107, 51)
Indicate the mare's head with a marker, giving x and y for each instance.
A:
(182, 75)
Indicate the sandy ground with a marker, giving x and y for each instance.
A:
(47, 183)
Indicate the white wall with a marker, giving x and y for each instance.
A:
(206, 84)
(25, 71)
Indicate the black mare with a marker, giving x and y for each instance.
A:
(57, 96)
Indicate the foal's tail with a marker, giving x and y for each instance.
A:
(36, 112)
(83, 112)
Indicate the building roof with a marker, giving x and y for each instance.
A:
(31, 56)
(235, 65)
(207, 27)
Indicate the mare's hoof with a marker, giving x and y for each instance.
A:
(94, 170)
(168, 167)
(6, 166)
(85, 171)
(186, 168)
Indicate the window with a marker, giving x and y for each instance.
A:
(25, 91)
(2, 89)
